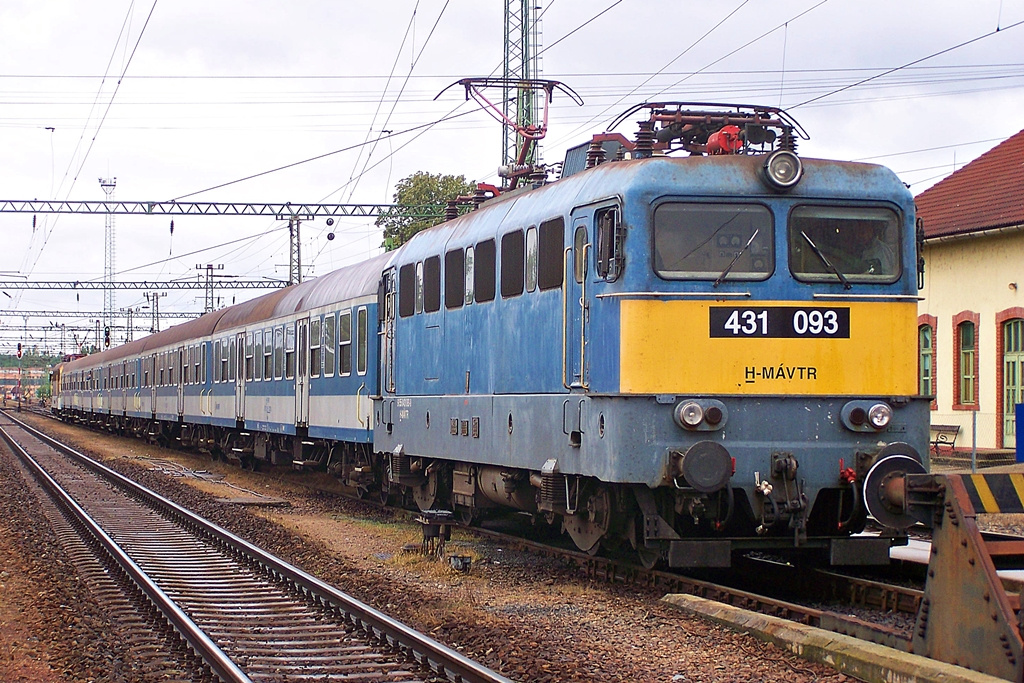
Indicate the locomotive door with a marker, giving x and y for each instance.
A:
(302, 373)
(576, 317)
(240, 360)
(386, 318)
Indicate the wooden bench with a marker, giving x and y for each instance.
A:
(944, 435)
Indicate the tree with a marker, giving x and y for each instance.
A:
(420, 188)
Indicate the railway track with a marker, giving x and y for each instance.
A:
(891, 613)
(246, 615)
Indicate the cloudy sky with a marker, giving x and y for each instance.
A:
(175, 98)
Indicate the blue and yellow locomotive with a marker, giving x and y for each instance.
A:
(686, 355)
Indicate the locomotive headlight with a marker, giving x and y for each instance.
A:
(783, 169)
(689, 414)
(879, 415)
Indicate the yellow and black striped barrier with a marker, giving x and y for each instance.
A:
(995, 493)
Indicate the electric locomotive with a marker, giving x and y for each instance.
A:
(687, 355)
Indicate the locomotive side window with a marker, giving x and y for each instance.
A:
(419, 287)
(407, 290)
(860, 244)
(454, 278)
(552, 249)
(432, 284)
(608, 256)
(483, 271)
(345, 343)
(329, 327)
(315, 357)
(579, 266)
(512, 263)
(713, 241)
(470, 275)
(531, 259)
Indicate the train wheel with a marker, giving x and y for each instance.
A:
(591, 521)
(465, 515)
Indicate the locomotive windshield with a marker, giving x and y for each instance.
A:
(853, 244)
(713, 241)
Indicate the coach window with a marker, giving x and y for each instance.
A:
(454, 278)
(432, 284)
(470, 275)
(345, 343)
(198, 362)
(248, 357)
(512, 264)
(225, 357)
(407, 290)
(203, 362)
(552, 254)
(172, 362)
(268, 354)
(289, 351)
(713, 241)
(217, 376)
(257, 357)
(361, 334)
(232, 359)
(483, 271)
(278, 353)
(163, 360)
(329, 344)
(315, 340)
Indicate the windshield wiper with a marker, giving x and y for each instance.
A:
(828, 264)
(736, 258)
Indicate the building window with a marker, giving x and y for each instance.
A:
(966, 335)
(926, 360)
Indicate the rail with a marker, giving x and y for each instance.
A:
(438, 657)
(215, 658)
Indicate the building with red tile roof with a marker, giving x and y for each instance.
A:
(971, 317)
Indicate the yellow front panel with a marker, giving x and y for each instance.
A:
(667, 348)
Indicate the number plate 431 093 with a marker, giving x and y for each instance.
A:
(779, 321)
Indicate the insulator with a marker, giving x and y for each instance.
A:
(788, 140)
(644, 141)
(595, 154)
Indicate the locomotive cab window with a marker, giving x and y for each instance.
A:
(860, 244)
(713, 241)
